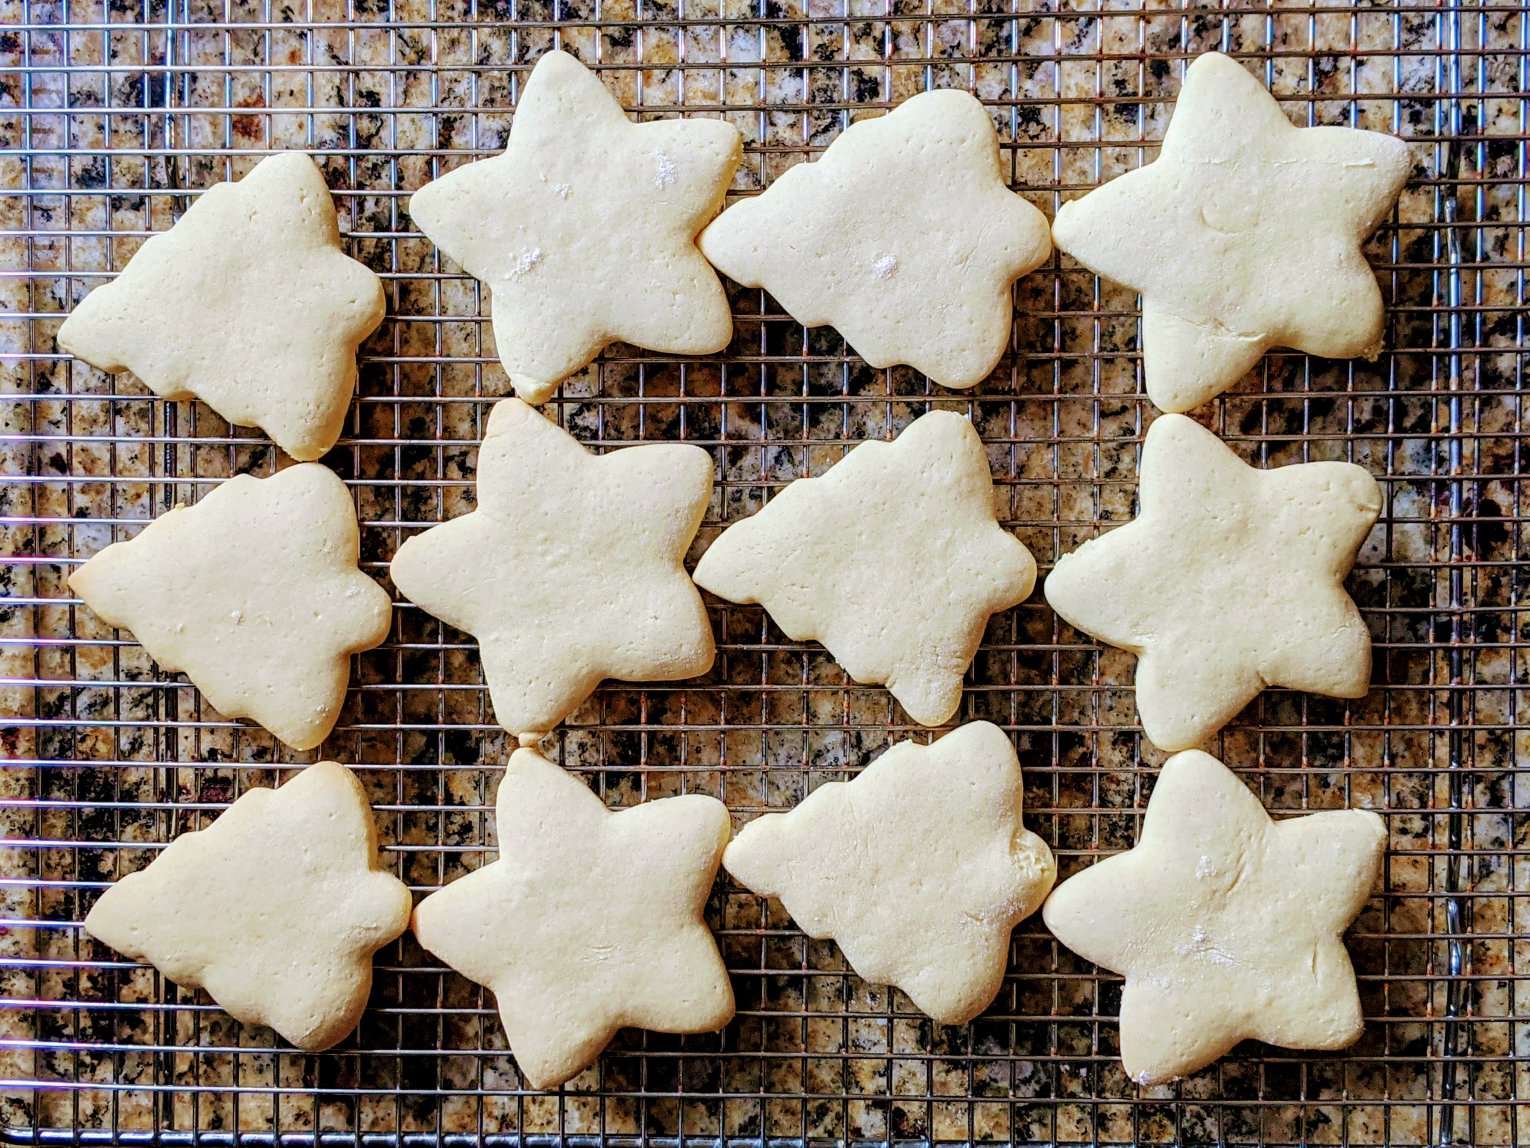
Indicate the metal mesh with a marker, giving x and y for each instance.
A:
(113, 114)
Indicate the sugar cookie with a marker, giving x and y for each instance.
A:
(1225, 924)
(1243, 235)
(590, 921)
(919, 868)
(903, 235)
(893, 559)
(1230, 579)
(584, 230)
(571, 569)
(254, 593)
(247, 303)
(275, 908)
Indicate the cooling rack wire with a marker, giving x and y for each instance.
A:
(112, 115)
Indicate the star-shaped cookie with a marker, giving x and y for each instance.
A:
(1226, 924)
(1243, 235)
(919, 868)
(903, 235)
(1230, 579)
(275, 908)
(254, 593)
(571, 569)
(590, 921)
(584, 229)
(247, 303)
(893, 559)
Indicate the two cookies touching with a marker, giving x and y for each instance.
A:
(570, 570)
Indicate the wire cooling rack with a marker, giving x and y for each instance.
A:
(113, 115)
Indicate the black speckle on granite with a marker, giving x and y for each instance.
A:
(788, 34)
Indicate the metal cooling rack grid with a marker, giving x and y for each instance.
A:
(111, 113)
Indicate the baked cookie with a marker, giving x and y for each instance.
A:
(590, 921)
(254, 594)
(922, 277)
(571, 569)
(584, 230)
(275, 908)
(247, 303)
(1225, 924)
(1243, 235)
(1230, 579)
(919, 868)
(893, 559)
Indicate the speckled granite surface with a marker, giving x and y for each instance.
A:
(111, 757)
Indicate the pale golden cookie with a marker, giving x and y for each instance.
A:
(1226, 925)
(584, 230)
(894, 559)
(903, 235)
(254, 593)
(275, 909)
(919, 868)
(571, 570)
(247, 303)
(590, 921)
(1230, 579)
(1244, 234)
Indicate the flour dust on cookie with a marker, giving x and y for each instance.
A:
(924, 276)
(1230, 579)
(590, 920)
(248, 303)
(1243, 235)
(571, 569)
(254, 593)
(275, 909)
(919, 868)
(584, 229)
(1226, 925)
(894, 559)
